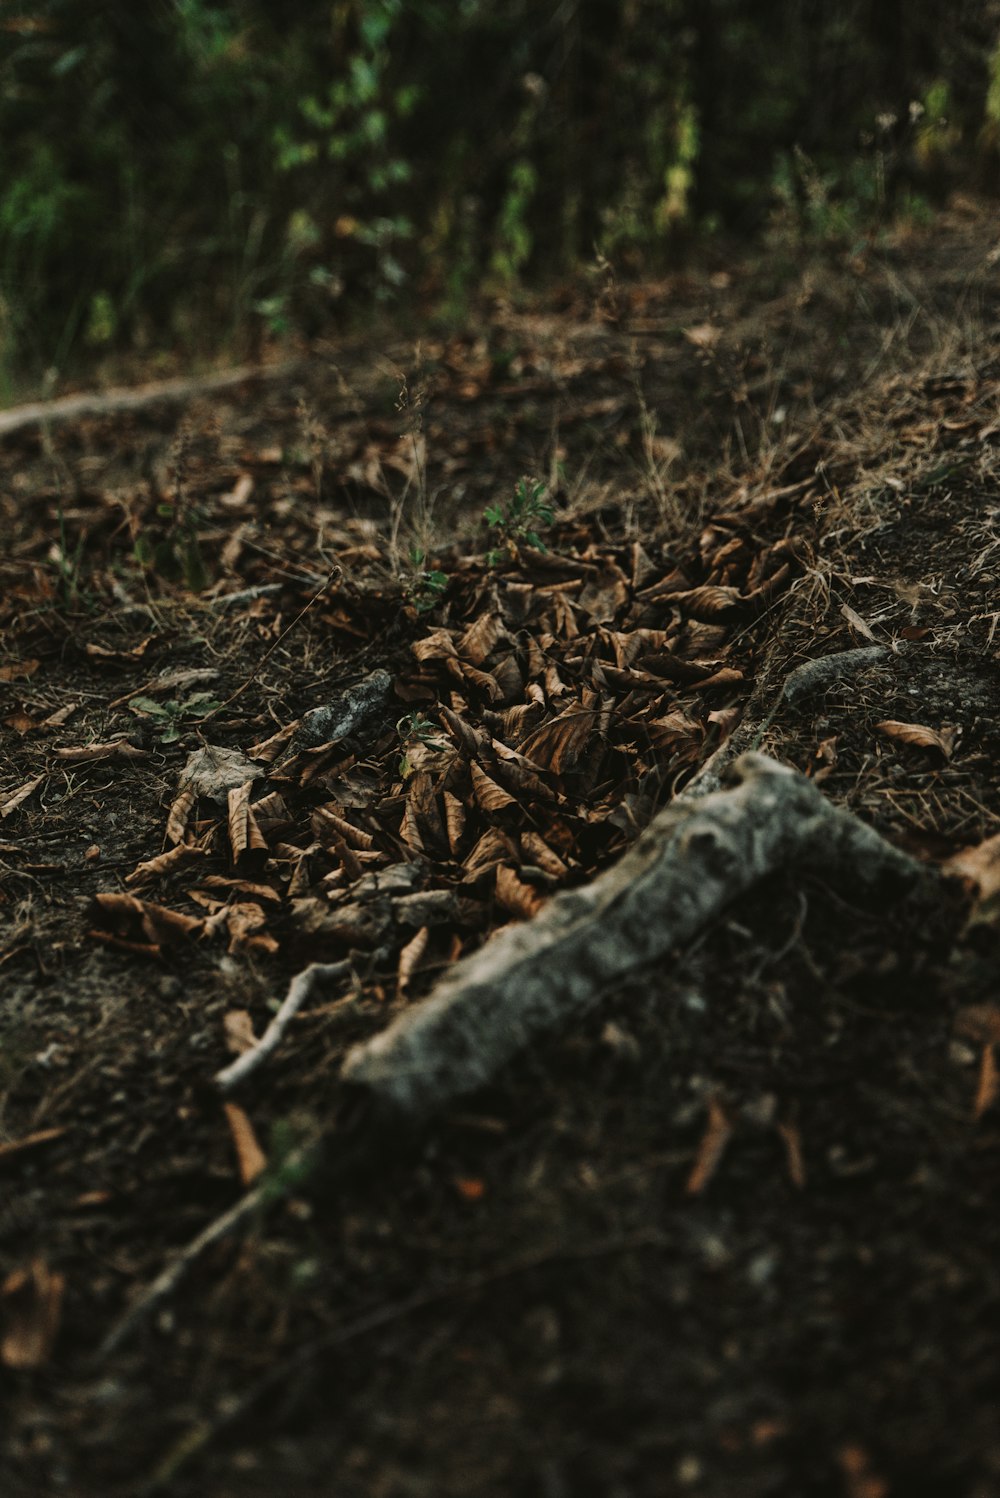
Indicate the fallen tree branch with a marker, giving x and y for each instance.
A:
(693, 859)
(108, 402)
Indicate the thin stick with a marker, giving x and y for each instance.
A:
(299, 990)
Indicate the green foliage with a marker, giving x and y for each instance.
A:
(176, 173)
(425, 589)
(172, 551)
(516, 525)
(69, 563)
(171, 715)
(415, 728)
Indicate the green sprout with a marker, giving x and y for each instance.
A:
(169, 715)
(415, 728)
(425, 588)
(516, 525)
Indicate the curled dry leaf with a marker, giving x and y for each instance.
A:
(980, 868)
(18, 669)
(250, 1158)
(480, 638)
(153, 868)
(988, 1087)
(326, 820)
(245, 837)
(919, 736)
(244, 921)
(13, 799)
(489, 796)
(179, 815)
(454, 819)
(537, 851)
(710, 603)
(409, 959)
(30, 1304)
(239, 1032)
(132, 919)
(517, 897)
(558, 744)
(711, 1148)
(792, 1140)
(90, 753)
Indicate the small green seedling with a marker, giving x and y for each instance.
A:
(169, 715)
(425, 589)
(414, 728)
(516, 525)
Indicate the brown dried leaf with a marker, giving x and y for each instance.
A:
(918, 736)
(436, 646)
(18, 669)
(489, 796)
(242, 886)
(89, 753)
(13, 799)
(244, 921)
(250, 1158)
(102, 653)
(20, 722)
(30, 1304)
(179, 815)
(711, 1149)
(326, 820)
(726, 719)
(152, 868)
(792, 1140)
(483, 680)
(988, 1088)
(245, 837)
(517, 897)
(490, 850)
(454, 819)
(674, 728)
(711, 603)
(558, 744)
(980, 866)
(535, 849)
(60, 716)
(480, 638)
(269, 749)
(239, 1031)
(131, 918)
(409, 960)
(605, 592)
(857, 624)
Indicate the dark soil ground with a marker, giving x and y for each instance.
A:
(733, 1235)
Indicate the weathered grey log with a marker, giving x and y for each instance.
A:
(824, 670)
(347, 713)
(692, 860)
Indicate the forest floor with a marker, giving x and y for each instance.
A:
(735, 1232)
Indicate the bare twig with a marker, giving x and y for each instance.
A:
(107, 402)
(299, 990)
